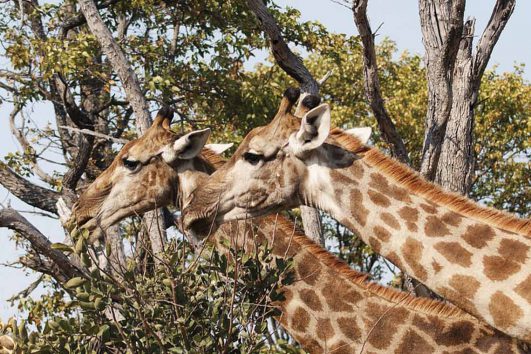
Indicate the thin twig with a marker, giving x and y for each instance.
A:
(93, 133)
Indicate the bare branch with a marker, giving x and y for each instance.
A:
(500, 16)
(93, 133)
(284, 57)
(11, 219)
(372, 82)
(119, 63)
(27, 291)
(79, 20)
(294, 67)
(79, 163)
(28, 192)
(325, 78)
(26, 146)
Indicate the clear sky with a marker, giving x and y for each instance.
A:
(399, 21)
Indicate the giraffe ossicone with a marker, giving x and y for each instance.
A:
(475, 257)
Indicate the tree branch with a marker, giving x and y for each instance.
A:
(295, 68)
(135, 97)
(28, 192)
(119, 63)
(372, 82)
(11, 219)
(284, 57)
(500, 16)
(96, 134)
(26, 146)
(79, 20)
(442, 27)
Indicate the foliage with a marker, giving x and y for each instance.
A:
(190, 304)
(191, 55)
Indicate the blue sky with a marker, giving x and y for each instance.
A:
(399, 21)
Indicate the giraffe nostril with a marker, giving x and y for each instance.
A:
(200, 228)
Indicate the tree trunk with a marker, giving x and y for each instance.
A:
(442, 25)
(456, 161)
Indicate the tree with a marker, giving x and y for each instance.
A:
(190, 55)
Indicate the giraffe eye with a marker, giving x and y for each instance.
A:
(132, 165)
(253, 159)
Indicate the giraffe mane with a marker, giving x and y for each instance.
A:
(425, 305)
(412, 180)
(212, 158)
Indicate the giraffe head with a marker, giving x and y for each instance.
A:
(142, 177)
(269, 168)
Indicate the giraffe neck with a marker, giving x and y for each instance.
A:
(332, 308)
(443, 240)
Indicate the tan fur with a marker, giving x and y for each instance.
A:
(418, 185)
(424, 305)
(286, 227)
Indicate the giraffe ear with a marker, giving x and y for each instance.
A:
(187, 146)
(363, 134)
(315, 127)
(219, 148)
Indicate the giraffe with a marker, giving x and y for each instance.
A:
(477, 258)
(142, 177)
(329, 308)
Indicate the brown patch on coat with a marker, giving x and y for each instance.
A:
(451, 218)
(436, 267)
(428, 208)
(309, 344)
(455, 253)
(300, 319)
(412, 253)
(324, 329)
(381, 233)
(383, 322)
(513, 249)
(499, 268)
(459, 333)
(288, 294)
(342, 179)
(504, 311)
(412, 342)
(337, 303)
(390, 220)
(359, 212)
(378, 198)
(380, 183)
(410, 216)
(375, 244)
(310, 298)
(308, 270)
(524, 289)
(340, 347)
(478, 235)
(465, 285)
(349, 327)
(435, 227)
(357, 170)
